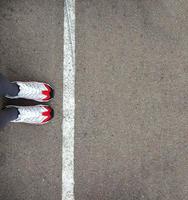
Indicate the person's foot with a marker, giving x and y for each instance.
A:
(37, 91)
(39, 114)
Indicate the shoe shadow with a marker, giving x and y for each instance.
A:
(18, 102)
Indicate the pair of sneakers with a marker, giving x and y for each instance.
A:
(37, 91)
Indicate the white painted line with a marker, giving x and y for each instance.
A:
(68, 101)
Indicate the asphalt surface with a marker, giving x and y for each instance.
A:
(31, 48)
(131, 130)
(131, 100)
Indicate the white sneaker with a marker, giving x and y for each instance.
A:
(40, 114)
(37, 91)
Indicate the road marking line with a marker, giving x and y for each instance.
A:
(68, 101)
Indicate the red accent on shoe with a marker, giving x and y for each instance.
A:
(47, 114)
(47, 92)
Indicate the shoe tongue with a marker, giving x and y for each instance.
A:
(19, 115)
(20, 87)
(25, 90)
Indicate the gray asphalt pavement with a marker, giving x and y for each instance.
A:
(131, 129)
(31, 43)
(131, 90)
